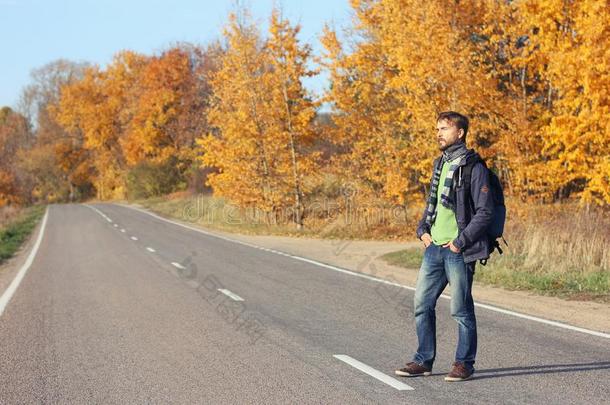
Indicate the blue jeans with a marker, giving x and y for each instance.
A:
(439, 267)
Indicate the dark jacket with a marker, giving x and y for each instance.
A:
(473, 214)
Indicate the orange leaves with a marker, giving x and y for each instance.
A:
(383, 93)
(238, 147)
(98, 108)
(262, 116)
(138, 109)
(531, 75)
(569, 44)
(14, 136)
(158, 93)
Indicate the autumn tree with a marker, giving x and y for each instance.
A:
(56, 162)
(238, 147)
(552, 58)
(159, 93)
(368, 126)
(572, 39)
(410, 60)
(15, 135)
(293, 109)
(531, 75)
(262, 118)
(170, 100)
(99, 106)
(502, 45)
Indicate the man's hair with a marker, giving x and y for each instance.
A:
(457, 119)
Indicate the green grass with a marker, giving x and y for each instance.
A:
(513, 273)
(17, 230)
(407, 258)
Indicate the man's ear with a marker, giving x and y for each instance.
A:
(461, 133)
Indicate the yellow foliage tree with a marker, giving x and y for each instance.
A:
(573, 37)
(411, 60)
(525, 96)
(553, 58)
(262, 116)
(531, 75)
(99, 107)
(237, 147)
(292, 112)
(160, 94)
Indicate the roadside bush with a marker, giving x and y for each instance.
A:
(148, 179)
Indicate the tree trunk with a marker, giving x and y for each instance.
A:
(524, 91)
(293, 156)
(263, 154)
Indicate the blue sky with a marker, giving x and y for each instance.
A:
(36, 32)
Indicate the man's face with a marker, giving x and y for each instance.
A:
(447, 134)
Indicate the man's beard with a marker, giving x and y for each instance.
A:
(443, 146)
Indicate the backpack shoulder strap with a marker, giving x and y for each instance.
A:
(467, 168)
(466, 175)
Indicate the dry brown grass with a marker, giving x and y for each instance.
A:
(569, 237)
(554, 249)
(8, 213)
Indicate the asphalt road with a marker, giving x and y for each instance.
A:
(122, 307)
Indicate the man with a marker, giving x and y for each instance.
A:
(453, 229)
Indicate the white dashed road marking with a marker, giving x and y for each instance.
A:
(151, 250)
(230, 294)
(392, 382)
(366, 276)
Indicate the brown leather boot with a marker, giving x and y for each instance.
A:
(413, 369)
(459, 372)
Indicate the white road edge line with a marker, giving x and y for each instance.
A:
(8, 293)
(230, 294)
(151, 250)
(178, 266)
(134, 238)
(379, 280)
(392, 382)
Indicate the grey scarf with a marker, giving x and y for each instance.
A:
(457, 154)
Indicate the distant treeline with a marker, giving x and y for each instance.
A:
(234, 115)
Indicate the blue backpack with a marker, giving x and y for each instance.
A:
(496, 228)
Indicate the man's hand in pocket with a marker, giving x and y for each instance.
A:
(427, 239)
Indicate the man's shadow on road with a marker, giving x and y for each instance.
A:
(546, 369)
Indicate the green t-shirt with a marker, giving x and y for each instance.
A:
(444, 228)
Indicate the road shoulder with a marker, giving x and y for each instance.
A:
(10, 268)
